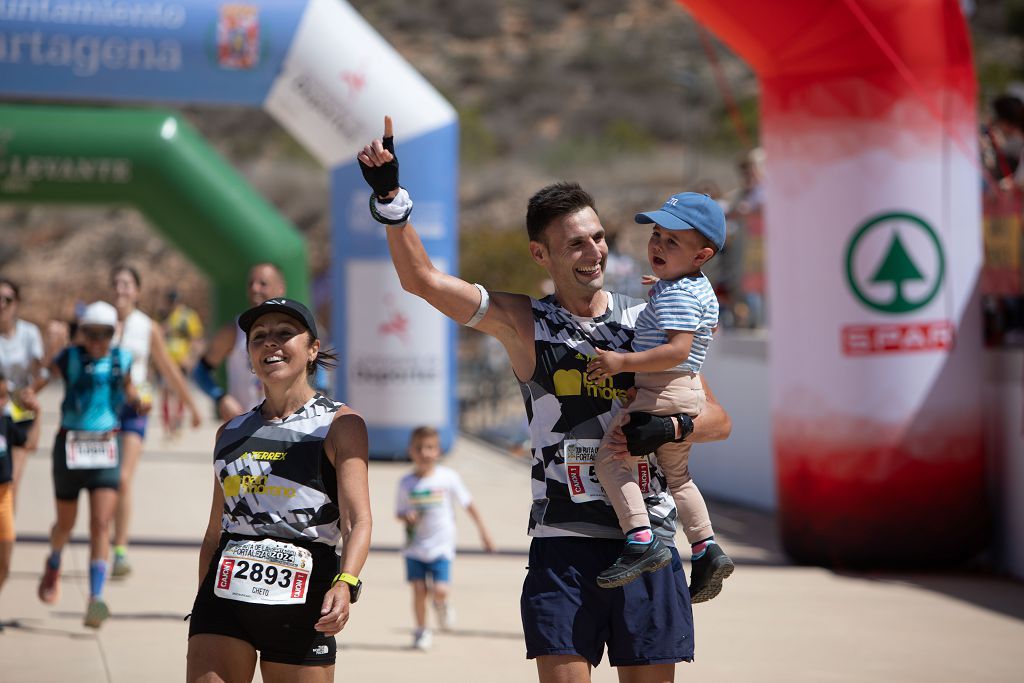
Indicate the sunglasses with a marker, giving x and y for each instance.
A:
(96, 335)
(7, 300)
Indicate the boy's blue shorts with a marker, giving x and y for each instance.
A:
(440, 570)
(565, 612)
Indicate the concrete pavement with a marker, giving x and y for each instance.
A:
(773, 622)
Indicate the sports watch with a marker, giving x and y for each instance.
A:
(355, 585)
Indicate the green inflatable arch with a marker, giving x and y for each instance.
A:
(155, 161)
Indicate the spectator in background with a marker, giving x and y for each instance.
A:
(726, 269)
(1002, 144)
(184, 331)
(623, 271)
(746, 224)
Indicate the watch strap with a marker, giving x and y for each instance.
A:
(345, 577)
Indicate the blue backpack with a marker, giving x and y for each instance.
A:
(73, 375)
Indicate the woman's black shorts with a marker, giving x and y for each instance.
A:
(281, 633)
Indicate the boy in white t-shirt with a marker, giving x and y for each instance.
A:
(672, 337)
(425, 506)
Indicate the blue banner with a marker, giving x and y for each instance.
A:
(145, 50)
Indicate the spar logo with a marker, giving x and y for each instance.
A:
(895, 265)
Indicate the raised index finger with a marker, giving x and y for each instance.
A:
(387, 127)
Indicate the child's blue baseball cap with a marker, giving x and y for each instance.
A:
(690, 211)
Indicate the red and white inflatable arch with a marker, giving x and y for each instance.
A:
(873, 257)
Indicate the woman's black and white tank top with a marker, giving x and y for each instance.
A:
(276, 477)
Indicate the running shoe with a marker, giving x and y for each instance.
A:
(422, 640)
(636, 558)
(49, 585)
(708, 573)
(122, 567)
(445, 615)
(97, 613)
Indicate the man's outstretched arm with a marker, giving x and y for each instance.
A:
(499, 314)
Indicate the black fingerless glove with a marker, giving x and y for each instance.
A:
(382, 179)
(645, 433)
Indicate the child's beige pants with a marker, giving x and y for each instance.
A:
(658, 393)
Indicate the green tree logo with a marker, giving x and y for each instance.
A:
(898, 267)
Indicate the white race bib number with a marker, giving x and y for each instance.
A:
(91, 450)
(581, 475)
(266, 572)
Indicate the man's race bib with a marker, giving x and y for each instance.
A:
(581, 475)
(91, 450)
(266, 572)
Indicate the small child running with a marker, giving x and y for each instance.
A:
(425, 506)
(672, 337)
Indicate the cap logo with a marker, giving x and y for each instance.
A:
(276, 302)
(673, 201)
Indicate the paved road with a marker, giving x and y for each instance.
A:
(774, 622)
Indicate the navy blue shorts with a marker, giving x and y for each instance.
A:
(439, 571)
(565, 612)
(132, 422)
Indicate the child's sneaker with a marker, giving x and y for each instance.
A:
(445, 615)
(422, 640)
(122, 567)
(636, 558)
(97, 613)
(708, 572)
(49, 585)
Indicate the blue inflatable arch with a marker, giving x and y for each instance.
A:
(328, 78)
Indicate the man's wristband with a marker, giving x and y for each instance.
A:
(394, 212)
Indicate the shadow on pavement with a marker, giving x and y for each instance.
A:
(481, 633)
(374, 647)
(127, 616)
(749, 536)
(994, 593)
(28, 627)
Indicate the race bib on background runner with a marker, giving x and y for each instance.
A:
(581, 476)
(90, 450)
(266, 572)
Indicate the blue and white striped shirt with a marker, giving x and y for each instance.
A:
(688, 304)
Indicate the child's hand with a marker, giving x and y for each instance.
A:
(606, 364)
(648, 280)
(411, 517)
(485, 539)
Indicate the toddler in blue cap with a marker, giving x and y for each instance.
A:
(672, 337)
